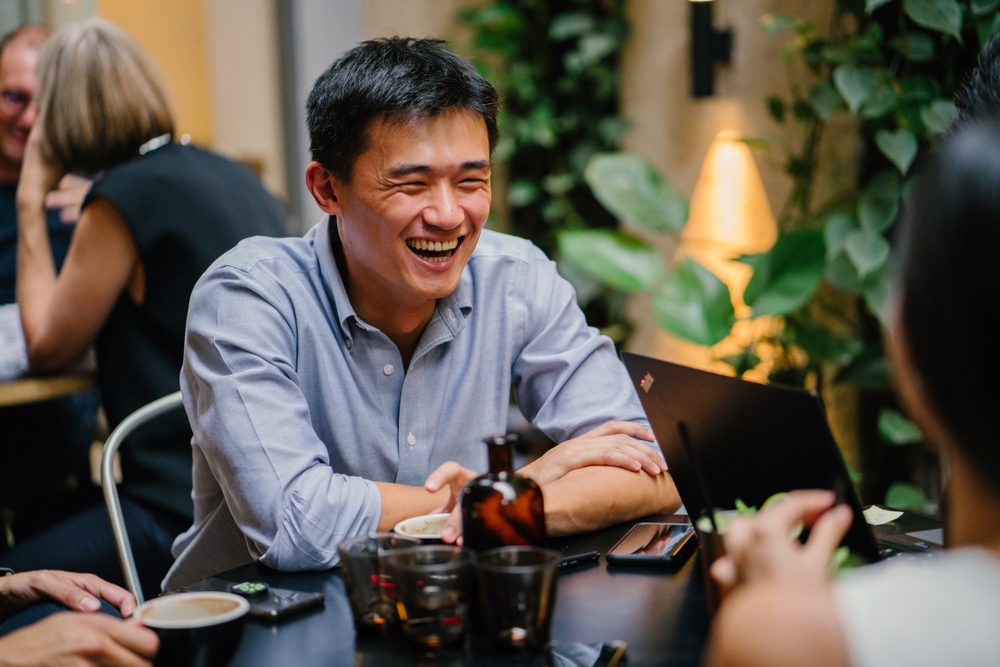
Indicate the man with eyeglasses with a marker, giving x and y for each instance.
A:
(45, 444)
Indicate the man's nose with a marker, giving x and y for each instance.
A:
(444, 210)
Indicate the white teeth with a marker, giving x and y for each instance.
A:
(432, 246)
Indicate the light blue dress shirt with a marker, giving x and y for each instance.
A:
(296, 404)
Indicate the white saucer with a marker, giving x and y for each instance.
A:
(426, 527)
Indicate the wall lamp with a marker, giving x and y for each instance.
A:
(709, 47)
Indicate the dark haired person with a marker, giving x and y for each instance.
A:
(940, 611)
(159, 212)
(341, 382)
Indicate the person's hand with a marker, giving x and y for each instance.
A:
(38, 174)
(68, 197)
(79, 639)
(613, 443)
(762, 546)
(77, 591)
(454, 477)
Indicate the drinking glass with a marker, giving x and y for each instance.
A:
(434, 589)
(370, 587)
(517, 592)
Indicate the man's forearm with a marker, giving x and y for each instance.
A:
(402, 502)
(597, 496)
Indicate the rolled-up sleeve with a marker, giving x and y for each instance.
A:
(251, 420)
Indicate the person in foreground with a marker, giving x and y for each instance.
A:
(156, 216)
(75, 636)
(783, 609)
(341, 382)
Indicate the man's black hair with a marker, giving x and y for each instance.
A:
(949, 284)
(393, 79)
(980, 94)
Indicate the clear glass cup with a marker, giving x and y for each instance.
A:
(370, 587)
(517, 593)
(434, 590)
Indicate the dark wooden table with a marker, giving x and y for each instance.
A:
(660, 614)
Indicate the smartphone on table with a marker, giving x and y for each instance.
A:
(654, 544)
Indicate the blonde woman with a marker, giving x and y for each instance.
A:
(157, 215)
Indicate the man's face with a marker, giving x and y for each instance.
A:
(17, 104)
(413, 211)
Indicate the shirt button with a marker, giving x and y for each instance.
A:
(411, 440)
(388, 369)
(347, 343)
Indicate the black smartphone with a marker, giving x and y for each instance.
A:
(654, 544)
(281, 602)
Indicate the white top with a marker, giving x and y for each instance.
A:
(939, 610)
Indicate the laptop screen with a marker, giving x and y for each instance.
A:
(749, 441)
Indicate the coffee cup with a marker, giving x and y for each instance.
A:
(197, 629)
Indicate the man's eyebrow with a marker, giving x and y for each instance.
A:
(406, 169)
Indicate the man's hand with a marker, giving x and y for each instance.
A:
(79, 639)
(613, 443)
(453, 476)
(68, 197)
(762, 547)
(77, 591)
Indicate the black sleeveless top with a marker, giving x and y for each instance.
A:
(184, 207)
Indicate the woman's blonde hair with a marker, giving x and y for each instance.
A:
(100, 97)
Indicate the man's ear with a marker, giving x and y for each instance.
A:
(322, 185)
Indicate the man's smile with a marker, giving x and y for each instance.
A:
(434, 251)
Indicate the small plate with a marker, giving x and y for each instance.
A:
(426, 527)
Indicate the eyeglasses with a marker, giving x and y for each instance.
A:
(13, 102)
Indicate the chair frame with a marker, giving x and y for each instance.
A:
(138, 418)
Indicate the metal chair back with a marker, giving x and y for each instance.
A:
(142, 416)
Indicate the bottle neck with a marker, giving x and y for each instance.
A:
(500, 449)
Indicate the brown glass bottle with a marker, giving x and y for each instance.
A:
(501, 507)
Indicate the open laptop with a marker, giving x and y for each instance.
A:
(748, 441)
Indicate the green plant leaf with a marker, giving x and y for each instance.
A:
(743, 361)
(897, 429)
(776, 108)
(854, 84)
(909, 498)
(881, 101)
(786, 276)
(841, 272)
(868, 371)
(879, 202)
(939, 115)
(915, 46)
(872, 5)
(983, 7)
(777, 22)
(824, 100)
(570, 24)
(633, 191)
(867, 250)
(694, 304)
(835, 230)
(941, 15)
(899, 146)
(877, 289)
(822, 345)
(987, 28)
(612, 257)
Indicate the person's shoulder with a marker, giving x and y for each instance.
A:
(495, 245)
(263, 256)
